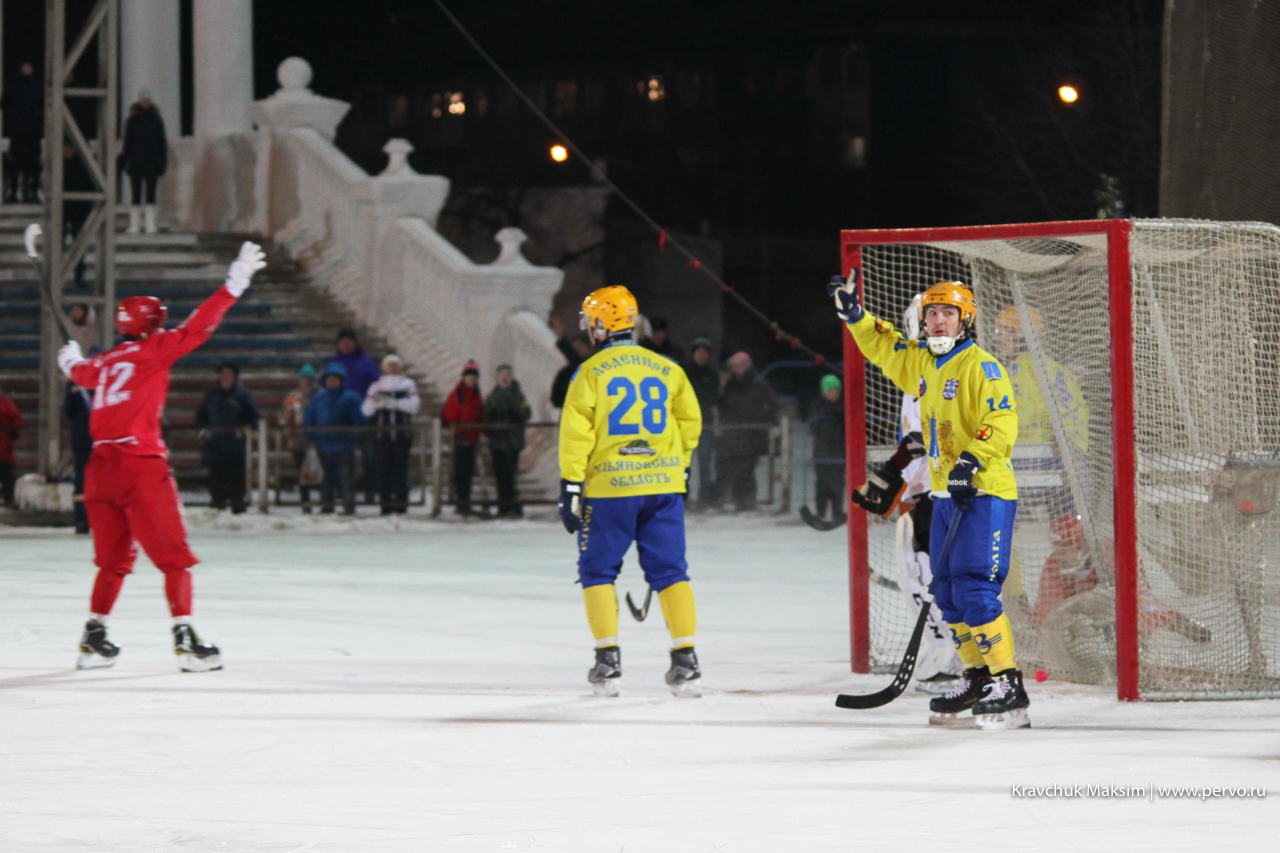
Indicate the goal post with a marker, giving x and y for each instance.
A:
(1148, 458)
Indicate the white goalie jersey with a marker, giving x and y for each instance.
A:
(916, 475)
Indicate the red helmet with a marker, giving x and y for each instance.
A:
(140, 315)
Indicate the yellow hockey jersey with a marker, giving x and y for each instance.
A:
(966, 402)
(1034, 424)
(629, 425)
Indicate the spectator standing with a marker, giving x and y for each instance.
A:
(23, 106)
(390, 405)
(146, 157)
(705, 380)
(77, 403)
(292, 413)
(827, 429)
(746, 399)
(362, 371)
(506, 404)
(11, 423)
(335, 405)
(576, 349)
(464, 406)
(659, 341)
(228, 408)
(84, 326)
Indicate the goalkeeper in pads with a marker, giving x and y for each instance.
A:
(970, 423)
(627, 433)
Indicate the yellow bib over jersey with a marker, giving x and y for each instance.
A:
(629, 425)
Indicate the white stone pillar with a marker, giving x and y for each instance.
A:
(150, 58)
(222, 38)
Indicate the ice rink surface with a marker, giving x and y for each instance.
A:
(421, 686)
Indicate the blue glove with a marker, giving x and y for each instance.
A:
(845, 292)
(960, 483)
(570, 505)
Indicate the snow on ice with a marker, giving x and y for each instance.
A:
(415, 685)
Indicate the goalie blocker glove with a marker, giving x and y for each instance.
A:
(845, 293)
(960, 483)
(880, 493)
(884, 485)
(570, 505)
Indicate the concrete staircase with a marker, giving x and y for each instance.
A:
(280, 324)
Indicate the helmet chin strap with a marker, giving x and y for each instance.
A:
(942, 344)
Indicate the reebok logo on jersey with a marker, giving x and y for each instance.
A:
(949, 390)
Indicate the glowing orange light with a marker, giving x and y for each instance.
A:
(559, 153)
(1068, 94)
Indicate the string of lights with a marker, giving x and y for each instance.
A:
(664, 237)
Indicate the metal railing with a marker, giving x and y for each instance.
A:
(272, 470)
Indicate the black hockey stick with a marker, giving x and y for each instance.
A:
(860, 702)
(807, 516)
(640, 612)
(29, 236)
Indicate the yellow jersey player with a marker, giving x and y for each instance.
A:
(970, 423)
(627, 433)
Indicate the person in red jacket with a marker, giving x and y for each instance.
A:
(129, 489)
(465, 406)
(11, 424)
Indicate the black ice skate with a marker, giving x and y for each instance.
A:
(946, 710)
(608, 669)
(1004, 702)
(96, 651)
(193, 655)
(683, 676)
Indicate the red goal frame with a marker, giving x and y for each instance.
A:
(1124, 456)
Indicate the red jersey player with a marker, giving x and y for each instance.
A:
(129, 490)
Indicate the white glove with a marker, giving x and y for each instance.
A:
(69, 356)
(250, 260)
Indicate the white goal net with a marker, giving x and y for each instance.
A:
(1204, 613)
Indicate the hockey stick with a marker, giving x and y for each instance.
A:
(29, 237)
(640, 612)
(808, 517)
(860, 702)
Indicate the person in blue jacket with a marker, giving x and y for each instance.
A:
(335, 405)
(362, 371)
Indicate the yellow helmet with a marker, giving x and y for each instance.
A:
(609, 309)
(955, 294)
(1008, 319)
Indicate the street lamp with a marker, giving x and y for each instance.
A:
(559, 153)
(1068, 94)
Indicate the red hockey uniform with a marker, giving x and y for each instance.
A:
(129, 490)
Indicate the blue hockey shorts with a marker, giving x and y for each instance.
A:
(966, 585)
(609, 526)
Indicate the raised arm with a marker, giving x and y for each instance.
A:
(881, 344)
(200, 326)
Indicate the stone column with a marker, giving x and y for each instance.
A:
(223, 46)
(150, 58)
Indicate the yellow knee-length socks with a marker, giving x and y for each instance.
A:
(995, 641)
(602, 613)
(677, 608)
(681, 615)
